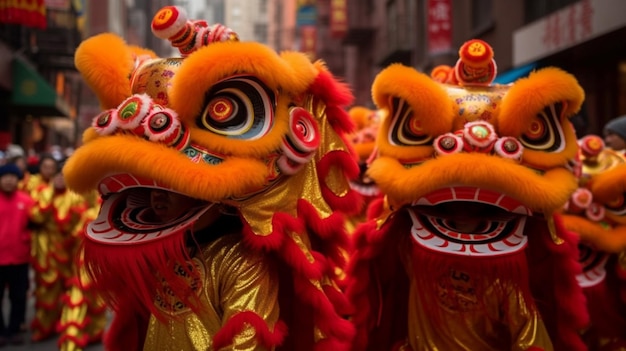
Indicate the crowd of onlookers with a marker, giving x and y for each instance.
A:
(40, 232)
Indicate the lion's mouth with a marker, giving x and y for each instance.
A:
(469, 221)
(127, 216)
(593, 263)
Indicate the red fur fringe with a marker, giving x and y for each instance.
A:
(350, 203)
(281, 223)
(377, 285)
(81, 341)
(339, 300)
(556, 293)
(236, 325)
(41, 282)
(97, 337)
(74, 213)
(50, 306)
(57, 256)
(325, 236)
(41, 332)
(560, 299)
(125, 274)
(331, 236)
(67, 301)
(336, 96)
(375, 208)
(78, 325)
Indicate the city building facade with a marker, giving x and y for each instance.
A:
(582, 37)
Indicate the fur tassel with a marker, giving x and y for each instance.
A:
(306, 268)
(330, 237)
(236, 324)
(336, 96)
(338, 300)
(326, 319)
(281, 223)
(350, 202)
(80, 342)
(120, 272)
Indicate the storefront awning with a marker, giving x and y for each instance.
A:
(514, 74)
(33, 95)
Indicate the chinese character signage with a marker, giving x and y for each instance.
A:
(29, 13)
(338, 18)
(568, 27)
(439, 26)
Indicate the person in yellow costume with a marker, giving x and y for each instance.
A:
(64, 302)
(224, 178)
(47, 167)
(83, 312)
(468, 253)
(58, 213)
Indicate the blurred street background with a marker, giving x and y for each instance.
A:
(47, 345)
(45, 104)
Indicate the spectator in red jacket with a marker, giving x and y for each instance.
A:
(15, 207)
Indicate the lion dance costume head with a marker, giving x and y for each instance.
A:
(232, 124)
(597, 213)
(363, 140)
(468, 253)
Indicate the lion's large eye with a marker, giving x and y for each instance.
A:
(545, 132)
(617, 206)
(406, 127)
(240, 108)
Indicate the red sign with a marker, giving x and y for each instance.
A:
(338, 18)
(308, 40)
(30, 13)
(439, 27)
(568, 27)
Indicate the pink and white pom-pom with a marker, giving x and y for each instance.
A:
(509, 147)
(447, 144)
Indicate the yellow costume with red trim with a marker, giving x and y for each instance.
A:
(468, 254)
(33, 184)
(59, 212)
(84, 313)
(242, 128)
(597, 213)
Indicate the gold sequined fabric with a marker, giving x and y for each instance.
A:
(475, 328)
(234, 279)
